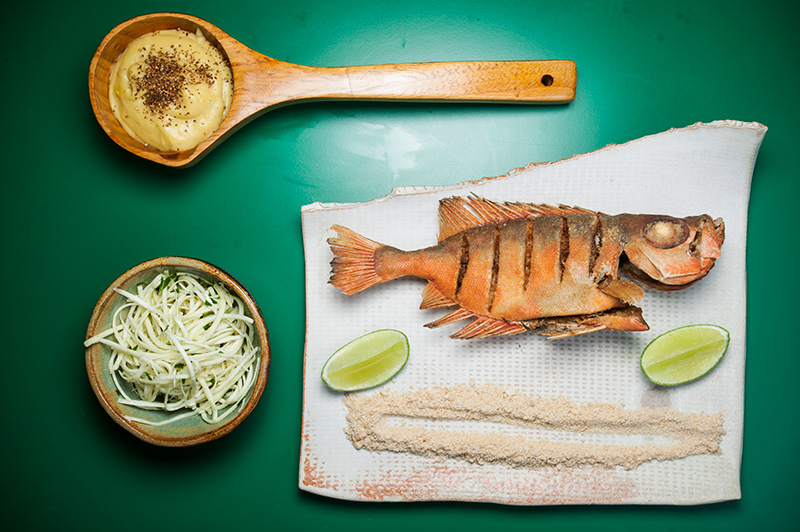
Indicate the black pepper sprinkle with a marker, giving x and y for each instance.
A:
(163, 78)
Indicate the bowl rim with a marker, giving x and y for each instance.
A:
(107, 396)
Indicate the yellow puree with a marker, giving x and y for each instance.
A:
(171, 89)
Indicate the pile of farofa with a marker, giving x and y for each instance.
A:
(369, 427)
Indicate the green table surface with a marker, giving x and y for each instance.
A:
(77, 211)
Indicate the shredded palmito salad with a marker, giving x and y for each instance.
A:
(182, 343)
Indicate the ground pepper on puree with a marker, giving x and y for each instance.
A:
(171, 89)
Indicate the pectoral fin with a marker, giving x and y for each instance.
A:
(627, 291)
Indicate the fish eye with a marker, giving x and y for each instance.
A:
(666, 233)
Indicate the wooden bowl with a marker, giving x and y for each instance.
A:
(190, 430)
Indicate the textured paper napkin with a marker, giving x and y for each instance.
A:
(703, 168)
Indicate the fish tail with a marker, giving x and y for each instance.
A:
(353, 267)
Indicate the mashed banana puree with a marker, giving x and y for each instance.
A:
(171, 89)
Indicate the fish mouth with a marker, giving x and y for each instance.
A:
(719, 230)
(708, 239)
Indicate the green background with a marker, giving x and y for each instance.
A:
(77, 211)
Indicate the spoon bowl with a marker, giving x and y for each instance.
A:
(261, 82)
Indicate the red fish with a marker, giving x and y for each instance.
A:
(514, 267)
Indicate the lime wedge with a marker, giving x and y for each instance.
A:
(367, 361)
(684, 354)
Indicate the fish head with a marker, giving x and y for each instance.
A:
(669, 253)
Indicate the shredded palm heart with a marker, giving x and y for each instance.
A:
(182, 343)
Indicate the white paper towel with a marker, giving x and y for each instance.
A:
(703, 168)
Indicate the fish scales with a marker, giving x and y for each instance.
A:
(515, 267)
(491, 277)
(547, 276)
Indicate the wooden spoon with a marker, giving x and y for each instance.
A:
(261, 82)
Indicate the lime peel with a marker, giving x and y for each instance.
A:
(368, 361)
(684, 354)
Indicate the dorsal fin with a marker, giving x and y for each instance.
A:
(560, 210)
(457, 214)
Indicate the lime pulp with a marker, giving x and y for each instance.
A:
(367, 361)
(684, 354)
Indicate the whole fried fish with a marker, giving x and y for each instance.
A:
(554, 270)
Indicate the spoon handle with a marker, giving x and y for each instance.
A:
(271, 82)
(521, 81)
